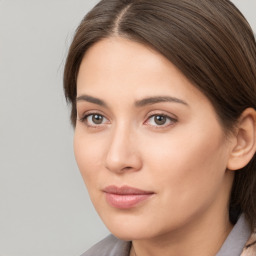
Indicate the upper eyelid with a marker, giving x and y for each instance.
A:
(147, 116)
(84, 120)
(161, 113)
(94, 114)
(167, 116)
(172, 122)
(91, 112)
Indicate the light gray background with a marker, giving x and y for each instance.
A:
(44, 207)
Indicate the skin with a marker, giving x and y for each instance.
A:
(182, 160)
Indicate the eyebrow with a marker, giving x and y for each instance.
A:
(138, 103)
(159, 99)
(91, 100)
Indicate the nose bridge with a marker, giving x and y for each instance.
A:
(122, 153)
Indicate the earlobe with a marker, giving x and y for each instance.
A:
(245, 146)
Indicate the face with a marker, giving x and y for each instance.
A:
(149, 146)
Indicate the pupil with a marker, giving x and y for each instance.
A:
(97, 119)
(160, 120)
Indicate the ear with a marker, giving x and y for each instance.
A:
(245, 145)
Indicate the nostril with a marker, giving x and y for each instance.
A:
(127, 168)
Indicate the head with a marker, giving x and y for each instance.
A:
(202, 54)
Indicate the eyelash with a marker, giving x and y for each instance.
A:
(84, 119)
(171, 120)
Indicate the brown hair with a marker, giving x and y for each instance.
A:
(209, 41)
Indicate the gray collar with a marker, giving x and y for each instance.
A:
(235, 242)
(233, 246)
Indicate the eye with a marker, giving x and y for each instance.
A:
(94, 120)
(159, 120)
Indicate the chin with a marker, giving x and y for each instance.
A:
(130, 227)
(130, 235)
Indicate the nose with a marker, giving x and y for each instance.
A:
(122, 153)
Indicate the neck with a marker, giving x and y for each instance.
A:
(204, 237)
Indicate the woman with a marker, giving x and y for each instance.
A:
(163, 97)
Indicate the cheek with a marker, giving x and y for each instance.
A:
(187, 174)
(188, 165)
(88, 156)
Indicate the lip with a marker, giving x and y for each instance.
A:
(125, 197)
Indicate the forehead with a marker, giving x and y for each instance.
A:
(117, 54)
(121, 69)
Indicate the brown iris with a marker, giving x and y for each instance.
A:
(160, 120)
(97, 119)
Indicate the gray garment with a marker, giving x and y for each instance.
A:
(233, 246)
(109, 246)
(236, 240)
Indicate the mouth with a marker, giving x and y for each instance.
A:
(125, 197)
